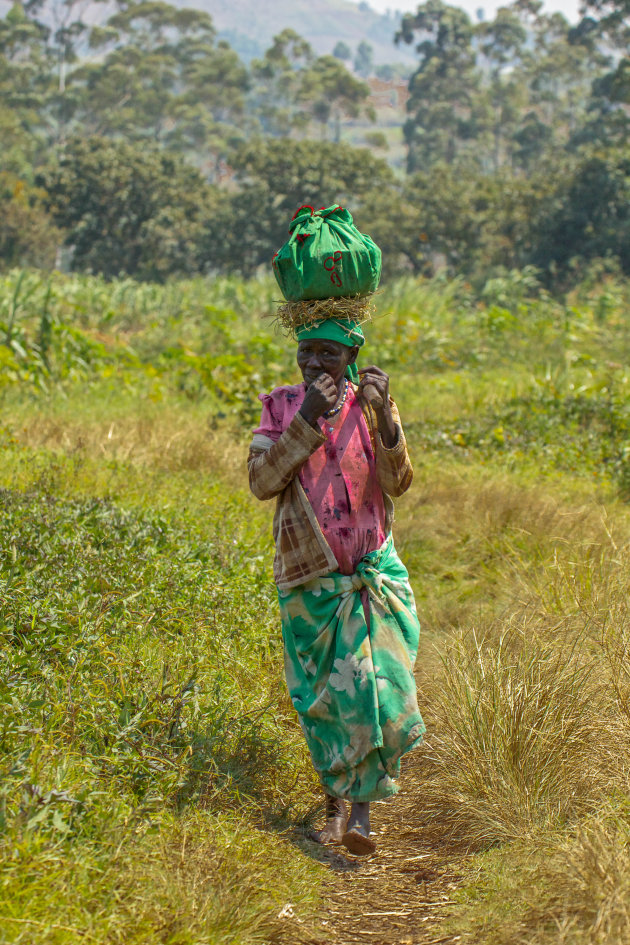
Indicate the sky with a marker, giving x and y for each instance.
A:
(568, 7)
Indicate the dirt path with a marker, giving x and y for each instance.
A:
(399, 896)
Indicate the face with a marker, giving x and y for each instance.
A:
(317, 356)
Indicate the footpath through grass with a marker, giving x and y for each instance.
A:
(154, 779)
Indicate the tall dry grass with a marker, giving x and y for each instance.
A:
(527, 760)
(570, 888)
(590, 877)
(476, 542)
(156, 436)
(529, 711)
(524, 738)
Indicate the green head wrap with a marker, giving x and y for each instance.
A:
(343, 330)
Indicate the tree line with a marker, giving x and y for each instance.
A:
(146, 147)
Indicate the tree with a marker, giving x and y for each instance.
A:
(443, 87)
(558, 74)
(395, 224)
(504, 92)
(501, 43)
(364, 60)
(28, 236)
(274, 98)
(160, 76)
(153, 71)
(607, 23)
(329, 93)
(530, 140)
(20, 144)
(342, 51)
(66, 29)
(613, 21)
(588, 216)
(25, 81)
(274, 178)
(390, 71)
(128, 209)
(450, 216)
(292, 88)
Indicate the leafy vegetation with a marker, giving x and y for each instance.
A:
(155, 783)
(129, 749)
(147, 777)
(155, 787)
(516, 142)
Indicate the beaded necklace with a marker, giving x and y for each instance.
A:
(335, 410)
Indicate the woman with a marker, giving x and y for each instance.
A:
(333, 453)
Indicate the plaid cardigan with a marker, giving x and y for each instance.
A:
(302, 552)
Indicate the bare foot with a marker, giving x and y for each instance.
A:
(357, 839)
(336, 821)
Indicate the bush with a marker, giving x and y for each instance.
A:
(128, 210)
(28, 236)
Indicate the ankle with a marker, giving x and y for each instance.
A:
(335, 807)
(360, 814)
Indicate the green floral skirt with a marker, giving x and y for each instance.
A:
(350, 643)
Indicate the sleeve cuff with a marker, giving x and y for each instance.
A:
(311, 434)
(399, 445)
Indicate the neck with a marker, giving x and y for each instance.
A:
(341, 399)
(341, 386)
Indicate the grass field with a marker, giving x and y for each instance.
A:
(155, 785)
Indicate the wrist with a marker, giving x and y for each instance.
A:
(305, 415)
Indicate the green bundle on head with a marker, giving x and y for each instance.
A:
(327, 271)
(326, 257)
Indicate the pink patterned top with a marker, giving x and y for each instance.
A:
(339, 479)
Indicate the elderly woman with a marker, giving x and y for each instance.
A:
(333, 454)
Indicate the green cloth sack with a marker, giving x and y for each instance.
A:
(326, 256)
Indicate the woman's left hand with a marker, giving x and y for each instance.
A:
(374, 387)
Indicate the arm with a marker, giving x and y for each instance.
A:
(393, 467)
(270, 471)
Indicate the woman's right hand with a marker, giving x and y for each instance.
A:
(321, 395)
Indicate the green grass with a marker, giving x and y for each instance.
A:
(142, 705)
(154, 779)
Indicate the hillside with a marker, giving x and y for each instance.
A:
(249, 25)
